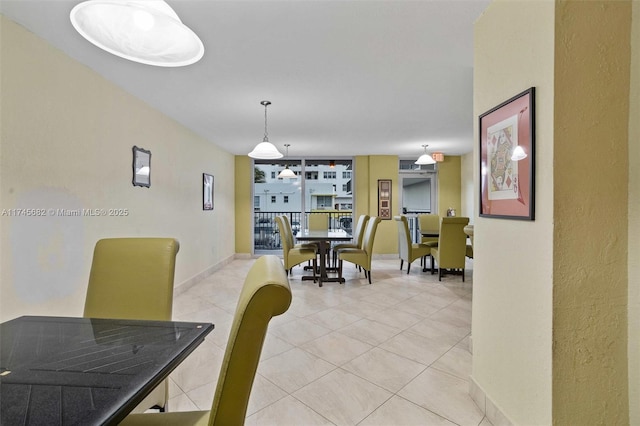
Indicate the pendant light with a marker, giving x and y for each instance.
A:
(425, 158)
(287, 173)
(265, 149)
(145, 31)
(518, 154)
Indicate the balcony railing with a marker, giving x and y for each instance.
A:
(267, 236)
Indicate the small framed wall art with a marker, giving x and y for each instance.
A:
(141, 167)
(384, 198)
(207, 191)
(507, 159)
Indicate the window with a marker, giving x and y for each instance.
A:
(329, 175)
(346, 206)
(346, 175)
(325, 201)
(286, 199)
(273, 175)
(256, 202)
(273, 199)
(311, 175)
(345, 187)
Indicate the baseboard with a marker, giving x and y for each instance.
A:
(187, 284)
(486, 405)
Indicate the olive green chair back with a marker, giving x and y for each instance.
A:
(452, 245)
(292, 255)
(429, 223)
(132, 278)
(265, 294)
(407, 250)
(318, 222)
(361, 256)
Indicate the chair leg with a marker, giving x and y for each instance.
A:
(408, 267)
(340, 271)
(431, 264)
(462, 274)
(369, 277)
(401, 263)
(439, 273)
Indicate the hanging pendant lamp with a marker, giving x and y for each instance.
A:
(265, 150)
(287, 173)
(145, 31)
(425, 158)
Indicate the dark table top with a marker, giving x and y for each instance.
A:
(83, 371)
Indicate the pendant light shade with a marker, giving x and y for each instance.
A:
(265, 150)
(425, 158)
(518, 154)
(287, 173)
(145, 31)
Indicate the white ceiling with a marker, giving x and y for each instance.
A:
(344, 77)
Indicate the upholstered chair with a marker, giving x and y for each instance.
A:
(265, 294)
(361, 256)
(132, 278)
(358, 236)
(292, 255)
(407, 250)
(452, 245)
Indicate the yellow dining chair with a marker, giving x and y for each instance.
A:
(320, 222)
(407, 250)
(361, 256)
(292, 255)
(265, 294)
(452, 245)
(469, 231)
(428, 224)
(287, 224)
(358, 236)
(132, 278)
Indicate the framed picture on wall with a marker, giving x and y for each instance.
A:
(207, 191)
(384, 198)
(141, 167)
(507, 159)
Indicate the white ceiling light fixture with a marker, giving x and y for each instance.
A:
(518, 154)
(265, 150)
(145, 31)
(425, 158)
(287, 173)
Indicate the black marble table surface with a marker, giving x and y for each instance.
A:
(85, 371)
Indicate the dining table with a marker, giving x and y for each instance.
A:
(86, 371)
(324, 240)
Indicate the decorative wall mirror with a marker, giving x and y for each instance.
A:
(141, 167)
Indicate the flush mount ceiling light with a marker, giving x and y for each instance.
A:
(425, 158)
(265, 149)
(287, 173)
(145, 31)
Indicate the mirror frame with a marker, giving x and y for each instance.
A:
(141, 159)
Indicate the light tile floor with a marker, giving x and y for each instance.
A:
(395, 352)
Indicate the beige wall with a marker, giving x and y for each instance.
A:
(513, 283)
(449, 184)
(467, 186)
(243, 204)
(634, 221)
(66, 138)
(551, 345)
(590, 368)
